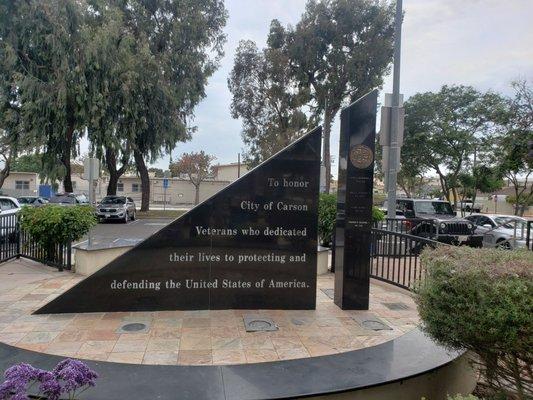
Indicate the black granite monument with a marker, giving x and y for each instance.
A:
(250, 246)
(354, 203)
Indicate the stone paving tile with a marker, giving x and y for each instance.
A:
(200, 337)
(160, 358)
(291, 354)
(225, 357)
(97, 347)
(195, 342)
(195, 357)
(122, 346)
(126, 357)
(260, 355)
(38, 337)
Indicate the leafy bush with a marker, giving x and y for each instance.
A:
(461, 397)
(482, 300)
(327, 215)
(377, 214)
(53, 225)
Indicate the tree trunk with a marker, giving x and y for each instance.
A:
(114, 173)
(5, 171)
(65, 160)
(145, 180)
(326, 153)
(197, 195)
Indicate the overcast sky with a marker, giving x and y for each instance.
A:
(484, 43)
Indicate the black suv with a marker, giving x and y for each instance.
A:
(436, 219)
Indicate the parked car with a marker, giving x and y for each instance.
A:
(436, 219)
(468, 206)
(505, 231)
(9, 206)
(34, 201)
(69, 199)
(120, 208)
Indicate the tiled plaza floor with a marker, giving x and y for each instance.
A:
(188, 337)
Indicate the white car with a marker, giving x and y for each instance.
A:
(505, 231)
(9, 207)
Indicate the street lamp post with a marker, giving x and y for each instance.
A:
(395, 116)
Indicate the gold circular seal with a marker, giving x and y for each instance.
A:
(361, 156)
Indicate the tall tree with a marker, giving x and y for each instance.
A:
(266, 97)
(110, 71)
(339, 50)
(443, 130)
(42, 45)
(177, 47)
(196, 166)
(512, 145)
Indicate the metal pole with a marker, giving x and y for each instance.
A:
(90, 194)
(238, 165)
(395, 116)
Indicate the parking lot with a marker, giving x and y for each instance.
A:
(109, 232)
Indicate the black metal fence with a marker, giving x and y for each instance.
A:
(15, 243)
(395, 257)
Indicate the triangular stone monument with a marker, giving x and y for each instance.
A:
(250, 246)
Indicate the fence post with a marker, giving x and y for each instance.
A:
(18, 234)
(69, 255)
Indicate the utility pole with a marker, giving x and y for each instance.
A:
(396, 118)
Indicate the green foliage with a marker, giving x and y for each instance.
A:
(482, 300)
(377, 214)
(444, 129)
(28, 163)
(53, 224)
(461, 397)
(264, 97)
(327, 215)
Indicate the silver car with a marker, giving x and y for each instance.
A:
(505, 231)
(118, 208)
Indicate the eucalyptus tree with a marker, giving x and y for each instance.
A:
(266, 96)
(340, 50)
(176, 46)
(42, 60)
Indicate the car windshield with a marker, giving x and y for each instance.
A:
(114, 200)
(63, 200)
(433, 207)
(26, 200)
(509, 223)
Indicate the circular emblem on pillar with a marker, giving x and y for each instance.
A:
(361, 156)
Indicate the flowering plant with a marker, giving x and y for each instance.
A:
(69, 378)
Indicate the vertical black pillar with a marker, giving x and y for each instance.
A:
(354, 203)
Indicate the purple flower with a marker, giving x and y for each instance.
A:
(49, 386)
(74, 375)
(18, 377)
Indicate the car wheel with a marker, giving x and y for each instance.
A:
(503, 244)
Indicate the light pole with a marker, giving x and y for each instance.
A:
(394, 149)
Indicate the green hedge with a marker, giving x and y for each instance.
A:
(51, 224)
(482, 300)
(327, 214)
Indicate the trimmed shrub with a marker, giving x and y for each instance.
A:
(53, 225)
(327, 215)
(482, 300)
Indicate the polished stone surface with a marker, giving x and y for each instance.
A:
(354, 203)
(204, 337)
(252, 245)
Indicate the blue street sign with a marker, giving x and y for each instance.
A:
(165, 183)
